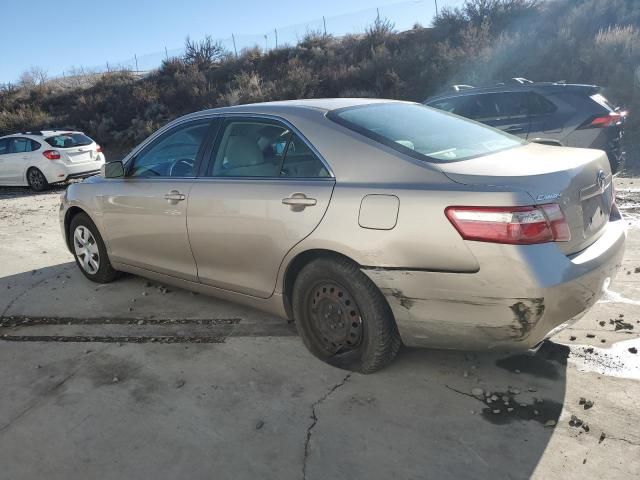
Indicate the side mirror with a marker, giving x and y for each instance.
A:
(112, 170)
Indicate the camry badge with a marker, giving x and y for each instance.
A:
(547, 196)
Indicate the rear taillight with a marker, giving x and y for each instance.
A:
(52, 154)
(604, 121)
(98, 148)
(511, 225)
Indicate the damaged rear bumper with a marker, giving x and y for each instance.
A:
(519, 296)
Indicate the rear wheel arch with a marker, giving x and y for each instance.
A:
(36, 170)
(298, 263)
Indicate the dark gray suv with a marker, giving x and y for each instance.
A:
(553, 113)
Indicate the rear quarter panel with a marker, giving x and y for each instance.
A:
(422, 239)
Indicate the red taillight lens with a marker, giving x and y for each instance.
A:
(52, 154)
(98, 148)
(604, 121)
(511, 225)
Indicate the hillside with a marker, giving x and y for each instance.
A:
(585, 41)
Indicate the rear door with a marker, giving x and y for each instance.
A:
(545, 123)
(507, 111)
(262, 191)
(145, 213)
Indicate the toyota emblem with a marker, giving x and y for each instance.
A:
(601, 177)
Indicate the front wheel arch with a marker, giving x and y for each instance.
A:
(68, 218)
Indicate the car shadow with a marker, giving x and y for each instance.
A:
(434, 413)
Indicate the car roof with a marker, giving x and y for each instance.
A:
(40, 133)
(513, 87)
(283, 107)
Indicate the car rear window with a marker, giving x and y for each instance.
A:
(424, 133)
(68, 140)
(603, 102)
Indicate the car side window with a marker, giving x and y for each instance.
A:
(173, 155)
(451, 105)
(250, 148)
(301, 162)
(35, 145)
(4, 146)
(512, 105)
(480, 107)
(538, 105)
(20, 145)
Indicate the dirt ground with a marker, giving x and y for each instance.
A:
(136, 380)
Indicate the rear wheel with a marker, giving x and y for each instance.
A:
(342, 317)
(36, 179)
(89, 250)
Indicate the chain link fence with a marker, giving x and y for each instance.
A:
(403, 14)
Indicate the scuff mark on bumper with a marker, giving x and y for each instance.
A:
(527, 316)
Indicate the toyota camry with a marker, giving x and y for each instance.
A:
(370, 223)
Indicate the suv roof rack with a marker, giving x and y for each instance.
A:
(457, 88)
(33, 132)
(521, 80)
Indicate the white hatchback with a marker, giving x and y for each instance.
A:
(38, 158)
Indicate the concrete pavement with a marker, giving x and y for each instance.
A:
(129, 380)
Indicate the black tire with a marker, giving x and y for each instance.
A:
(36, 179)
(105, 273)
(373, 331)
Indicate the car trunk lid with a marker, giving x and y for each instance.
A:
(79, 154)
(579, 180)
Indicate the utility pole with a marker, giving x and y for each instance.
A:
(166, 53)
(234, 44)
(324, 22)
(136, 58)
(276, 32)
(378, 15)
(266, 45)
(436, 1)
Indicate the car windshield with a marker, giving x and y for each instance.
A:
(69, 140)
(423, 132)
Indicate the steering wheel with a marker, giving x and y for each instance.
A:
(183, 167)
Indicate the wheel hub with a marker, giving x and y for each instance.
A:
(86, 249)
(336, 318)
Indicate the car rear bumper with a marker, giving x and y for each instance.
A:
(60, 172)
(520, 295)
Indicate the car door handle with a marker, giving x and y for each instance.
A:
(299, 201)
(174, 196)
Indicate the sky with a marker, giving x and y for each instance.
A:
(89, 34)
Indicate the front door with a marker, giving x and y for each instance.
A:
(264, 190)
(14, 160)
(145, 213)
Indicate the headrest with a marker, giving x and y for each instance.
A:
(243, 152)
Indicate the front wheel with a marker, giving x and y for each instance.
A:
(343, 318)
(90, 251)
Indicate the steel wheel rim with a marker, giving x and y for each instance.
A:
(35, 178)
(86, 249)
(335, 318)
